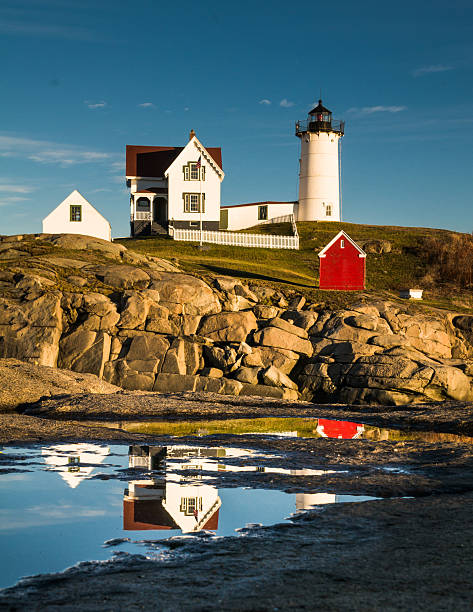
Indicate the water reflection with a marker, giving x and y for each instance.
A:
(74, 462)
(301, 427)
(49, 522)
(179, 498)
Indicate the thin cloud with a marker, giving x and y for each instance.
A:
(40, 516)
(431, 69)
(45, 152)
(265, 102)
(370, 110)
(12, 188)
(285, 103)
(146, 105)
(94, 105)
(117, 166)
(11, 200)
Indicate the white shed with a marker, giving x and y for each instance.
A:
(75, 215)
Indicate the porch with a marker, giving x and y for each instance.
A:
(149, 212)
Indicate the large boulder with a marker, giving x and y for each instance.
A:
(274, 377)
(228, 326)
(279, 338)
(122, 276)
(85, 351)
(265, 356)
(79, 242)
(30, 330)
(25, 383)
(185, 294)
(184, 357)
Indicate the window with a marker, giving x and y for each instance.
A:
(76, 213)
(263, 213)
(342, 244)
(142, 204)
(191, 172)
(73, 464)
(328, 210)
(191, 202)
(190, 504)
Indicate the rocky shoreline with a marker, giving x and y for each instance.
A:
(140, 323)
(137, 339)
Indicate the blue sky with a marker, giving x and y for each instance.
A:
(80, 80)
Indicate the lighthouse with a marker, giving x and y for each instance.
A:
(319, 175)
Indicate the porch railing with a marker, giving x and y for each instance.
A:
(141, 216)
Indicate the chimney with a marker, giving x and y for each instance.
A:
(191, 134)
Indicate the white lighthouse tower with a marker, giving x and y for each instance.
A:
(319, 176)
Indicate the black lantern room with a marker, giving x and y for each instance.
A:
(319, 120)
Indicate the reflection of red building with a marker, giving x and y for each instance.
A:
(345, 430)
(140, 514)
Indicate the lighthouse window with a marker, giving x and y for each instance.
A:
(328, 210)
(262, 213)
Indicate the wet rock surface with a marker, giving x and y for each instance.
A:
(372, 556)
(394, 554)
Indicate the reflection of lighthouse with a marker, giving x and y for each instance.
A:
(305, 501)
(319, 176)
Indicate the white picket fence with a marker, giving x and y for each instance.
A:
(261, 241)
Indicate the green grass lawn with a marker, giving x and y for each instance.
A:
(405, 266)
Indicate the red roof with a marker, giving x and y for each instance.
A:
(254, 204)
(154, 161)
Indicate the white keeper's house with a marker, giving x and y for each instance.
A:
(75, 215)
(175, 187)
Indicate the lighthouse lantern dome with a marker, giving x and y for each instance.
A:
(320, 117)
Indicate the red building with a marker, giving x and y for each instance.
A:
(342, 264)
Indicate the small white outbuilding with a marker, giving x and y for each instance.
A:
(75, 215)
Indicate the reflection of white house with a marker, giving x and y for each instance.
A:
(173, 501)
(67, 459)
(75, 215)
(177, 501)
(174, 187)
